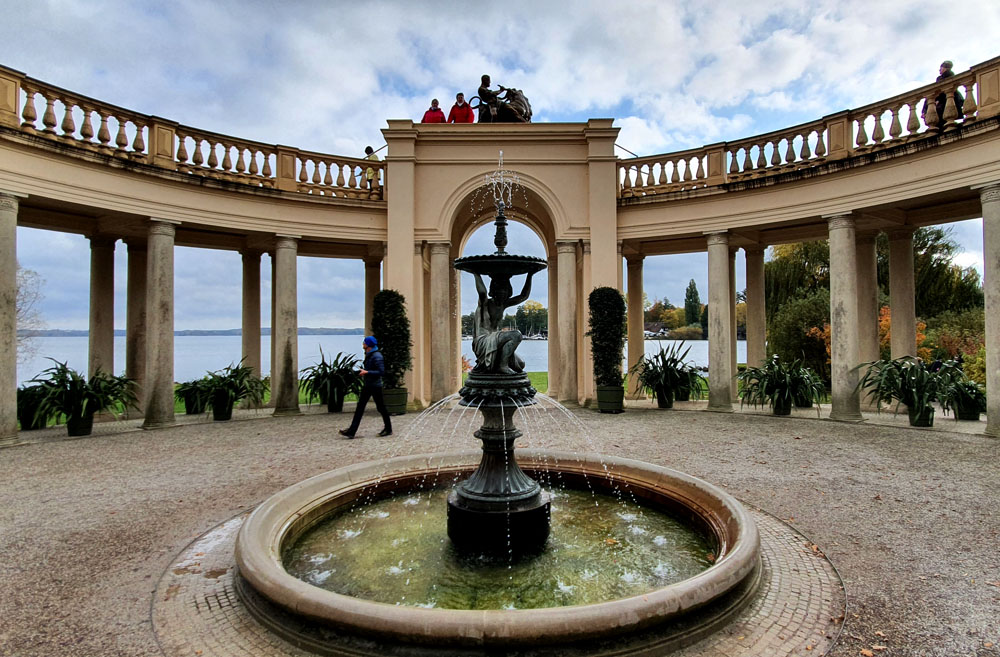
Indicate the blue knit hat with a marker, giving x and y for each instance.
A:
(371, 342)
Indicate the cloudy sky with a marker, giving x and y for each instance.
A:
(326, 75)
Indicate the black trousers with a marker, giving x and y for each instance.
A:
(370, 392)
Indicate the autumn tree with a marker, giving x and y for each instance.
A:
(692, 304)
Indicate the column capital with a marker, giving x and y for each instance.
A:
(418, 248)
(901, 232)
(635, 259)
(440, 248)
(717, 238)
(9, 200)
(586, 247)
(865, 236)
(286, 242)
(988, 194)
(758, 249)
(135, 243)
(251, 252)
(162, 227)
(102, 241)
(839, 221)
(372, 261)
(566, 246)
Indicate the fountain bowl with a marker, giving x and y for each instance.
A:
(710, 597)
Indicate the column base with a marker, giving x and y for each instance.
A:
(283, 412)
(726, 408)
(846, 417)
(10, 441)
(992, 429)
(157, 424)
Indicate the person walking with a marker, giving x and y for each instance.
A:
(461, 111)
(371, 372)
(434, 114)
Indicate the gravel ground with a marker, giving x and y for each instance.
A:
(908, 516)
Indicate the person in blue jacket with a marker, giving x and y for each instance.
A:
(371, 373)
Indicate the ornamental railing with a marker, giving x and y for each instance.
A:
(91, 125)
(884, 124)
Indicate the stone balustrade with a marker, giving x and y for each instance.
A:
(98, 127)
(884, 124)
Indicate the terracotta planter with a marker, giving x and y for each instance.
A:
(395, 400)
(611, 399)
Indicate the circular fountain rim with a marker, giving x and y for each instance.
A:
(260, 540)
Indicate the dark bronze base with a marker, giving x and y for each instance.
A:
(508, 531)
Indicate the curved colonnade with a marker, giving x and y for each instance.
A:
(157, 184)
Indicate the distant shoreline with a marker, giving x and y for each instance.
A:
(73, 333)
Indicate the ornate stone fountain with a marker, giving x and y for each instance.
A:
(498, 510)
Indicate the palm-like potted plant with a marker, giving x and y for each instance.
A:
(29, 398)
(607, 336)
(666, 375)
(231, 384)
(194, 394)
(331, 381)
(391, 328)
(909, 381)
(777, 384)
(67, 392)
(964, 396)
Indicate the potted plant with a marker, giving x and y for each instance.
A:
(665, 374)
(607, 336)
(777, 384)
(69, 393)
(194, 394)
(907, 380)
(331, 381)
(391, 327)
(694, 387)
(804, 400)
(231, 384)
(29, 399)
(966, 397)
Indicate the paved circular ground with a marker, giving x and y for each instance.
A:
(799, 607)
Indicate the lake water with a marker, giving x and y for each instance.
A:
(195, 355)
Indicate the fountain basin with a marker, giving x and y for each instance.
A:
(283, 518)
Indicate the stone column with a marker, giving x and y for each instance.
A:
(8, 317)
(455, 312)
(846, 401)
(732, 315)
(867, 267)
(251, 310)
(587, 391)
(720, 324)
(566, 254)
(636, 335)
(554, 353)
(274, 313)
(441, 356)
(902, 305)
(756, 312)
(135, 318)
(159, 390)
(285, 328)
(621, 282)
(990, 199)
(373, 283)
(101, 352)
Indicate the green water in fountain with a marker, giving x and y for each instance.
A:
(397, 551)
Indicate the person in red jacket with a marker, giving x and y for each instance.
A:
(434, 114)
(461, 111)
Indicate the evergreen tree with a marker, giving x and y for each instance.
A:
(692, 304)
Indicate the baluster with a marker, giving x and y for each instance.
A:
(895, 128)
(790, 149)
(805, 153)
(931, 118)
(340, 174)
(969, 108)
(303, 176)
(878, 135)
(103, 134)
(950, 109)
(267, 166)
(862, 138)
(227, 158)
(626, 182)
(701, 168)
(253, 162)
(182, 154)
(86, 129)
(49, 118)
(675, 176)
(29, 113)
(662, 178)
(121, 140)
(315, 176)
(241, 163)
(139, 143)
(747, 166)
(213, 156)
(820, 142)
(688, 171)
(761, 161)
(68, 126)
(776, 151)
(197, 158)
(912, 122)
(328, 175)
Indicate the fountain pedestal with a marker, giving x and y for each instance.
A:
(498, 511)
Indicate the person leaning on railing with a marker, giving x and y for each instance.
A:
(945, 72)
(370, 172)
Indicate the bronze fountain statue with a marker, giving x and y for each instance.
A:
(512, 108)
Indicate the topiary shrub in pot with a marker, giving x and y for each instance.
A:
(908, 381)
(232, 384)
(607, 339)
(331, 381)
(391, 327)
(778, 385)
(68, 392)
(194, 394)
